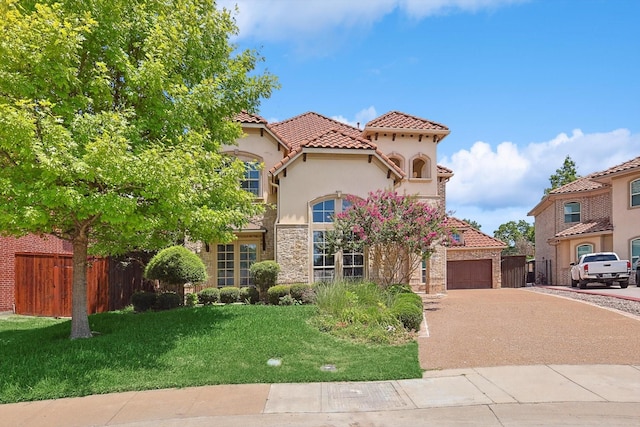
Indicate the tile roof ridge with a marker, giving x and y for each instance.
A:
(406, 115)
(629, 164)
(341, 132)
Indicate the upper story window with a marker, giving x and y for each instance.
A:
(324, 211)
(587, 248)
(572, 212)
(251, 181)
(421, 167)
(635, 192)
(397, 160)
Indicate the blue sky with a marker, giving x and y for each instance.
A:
(520, 83)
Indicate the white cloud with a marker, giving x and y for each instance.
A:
(362, 117)
(496, 185)
(292, 20)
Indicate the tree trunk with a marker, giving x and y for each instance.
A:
(79, 317)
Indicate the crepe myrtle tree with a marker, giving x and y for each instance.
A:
(397, 231)
(112, 115)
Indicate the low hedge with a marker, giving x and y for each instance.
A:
(303, 292)
(209, 296)
(276, 292)
(143, 300)
(249, 294)
(229, 294)
(168, 301)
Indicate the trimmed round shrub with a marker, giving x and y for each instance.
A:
(191, 300)
(168, 301)
(265, 275)
(408, 309)
(229, 294)
(249, 294)
(143, 300)
(176, 265)
(276, 292)
(209, 296)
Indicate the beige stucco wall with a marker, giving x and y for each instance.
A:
(323, 175)
(626, 219)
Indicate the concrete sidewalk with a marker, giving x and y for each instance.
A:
(586, 395)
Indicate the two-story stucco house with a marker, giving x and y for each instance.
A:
(599, 212)
(309, 163)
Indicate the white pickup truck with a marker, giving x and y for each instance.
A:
(601, 267)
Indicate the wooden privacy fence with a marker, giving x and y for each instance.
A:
(43, 284)
(514, 271)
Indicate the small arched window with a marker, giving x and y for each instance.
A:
(587, 248)
(421, 168)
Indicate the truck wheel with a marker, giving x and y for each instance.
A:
(624, 284)
(574, 283)
(583, 284)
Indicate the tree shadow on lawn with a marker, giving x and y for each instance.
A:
(126, 351)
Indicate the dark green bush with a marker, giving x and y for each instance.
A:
(191, 300)
(298, 290)
(176, 265)
(209, 296)
(408, 309)
(143, 301)
(229, 294)
(249, 294)
(399, 288)
(265, 275)
(168, 301)
(276, 292)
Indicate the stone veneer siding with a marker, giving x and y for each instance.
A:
(293, 249)
(437, 271)
(474, 254)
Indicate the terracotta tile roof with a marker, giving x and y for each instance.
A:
(444, 171)
(308, 126)
(471, 237)
(398, 120)
(631, 164)
(244, 117)
(580, 184)
(335, 138)
(594, 226)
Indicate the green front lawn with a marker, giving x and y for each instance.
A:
(185, 347)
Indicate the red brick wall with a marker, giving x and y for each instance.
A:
(9, 246)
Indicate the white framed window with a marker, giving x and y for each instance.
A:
(323, 261)
(352, 265)
(572, 212)
(583, 249)
(234, 262)
(324, 211)
(251, 181)
(634, 190)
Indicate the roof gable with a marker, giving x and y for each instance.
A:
(245, 117)
(308, 126)
(472, 237)
(399, 120)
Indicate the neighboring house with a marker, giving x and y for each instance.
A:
(309, 164)
(473, 259)
(599, 212)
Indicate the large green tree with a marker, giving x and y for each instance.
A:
(564, 175)
(519, 235)
(112, 115)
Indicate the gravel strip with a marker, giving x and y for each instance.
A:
(628, 306)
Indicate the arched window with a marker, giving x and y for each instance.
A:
(572, 212)
(635, 192)
(326, 265)
(421, 167)
(397, 160)
(586, 248)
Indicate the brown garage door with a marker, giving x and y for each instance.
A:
(472, 274)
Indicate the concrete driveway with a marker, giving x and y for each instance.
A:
(500, 327)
